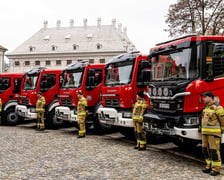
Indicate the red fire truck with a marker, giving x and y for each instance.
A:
(10, 84)
(47, 82)
(182, 69)
(84, 77)
(125, 75)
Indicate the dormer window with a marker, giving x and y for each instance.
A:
(68, 36)
(53, 47)
(75, 46)
(46, 38)
(98, 46)
(89, 36)
(32, 48)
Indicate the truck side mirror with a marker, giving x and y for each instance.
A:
(146, 76)
(218, 65)
(145, 64)
(43, 86)
(218, 59)
(90, 83)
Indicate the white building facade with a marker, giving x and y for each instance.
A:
(55, 48)
(2, 63)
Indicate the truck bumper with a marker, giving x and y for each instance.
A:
(190, 133)
(111, 116)
(25, 112)
(156, 124)
(65, 114)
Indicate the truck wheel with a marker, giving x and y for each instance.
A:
(53, 122)
(10, 117)
(127, 132)
(185, 143)
(101, 128)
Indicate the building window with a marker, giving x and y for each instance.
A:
(37, 63)
(69, 62)
(58, 62)
(48, 63)
(53, 48)
(91, 61)
(99, 46)
(75, 46)
(102, 61)
(27, 63)
(31, 48)
(17, 63)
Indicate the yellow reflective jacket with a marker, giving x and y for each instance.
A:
(212, 122)
(81, 108)
(40, 104)
(139, 109)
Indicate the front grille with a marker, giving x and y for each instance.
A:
(112, 103)
(25, 102)
(66, 102)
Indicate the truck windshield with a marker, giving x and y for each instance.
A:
(119, 73)
(30, 82)
(176, 65)
(4, 83)
(72, 79)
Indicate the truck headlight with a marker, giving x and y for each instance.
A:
(127, 114)
(191, 121)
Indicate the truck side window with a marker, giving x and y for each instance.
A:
(48, 81)
(97, 75)
(5, 83)
(17, 85)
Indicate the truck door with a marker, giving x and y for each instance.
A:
(48, 86)
(95, 81)
(214, 70)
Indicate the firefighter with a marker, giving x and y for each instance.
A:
(40, 111)
(81, 113)
(137, 117)
(212, 126)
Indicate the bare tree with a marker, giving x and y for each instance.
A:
(196, 16)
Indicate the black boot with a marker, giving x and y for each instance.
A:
(214, 173)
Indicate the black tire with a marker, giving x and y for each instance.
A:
(11, 118)
(53, 122)
(102, 128)
(127, 132)
(185, 143)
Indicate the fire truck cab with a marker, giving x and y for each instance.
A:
(89, 79)
(44, 81)
(124, 77)
(10, 84)
(182, 69)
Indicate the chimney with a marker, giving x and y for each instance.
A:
(45, 25)
(58, 24)
(71, 23)
(120, 27)
(125, 30)
(98, 22)
(85, 22)
(114, 23)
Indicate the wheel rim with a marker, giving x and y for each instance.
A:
(12, 117)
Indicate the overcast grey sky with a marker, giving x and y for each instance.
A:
(144, 19)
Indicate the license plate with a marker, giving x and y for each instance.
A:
(164, 106)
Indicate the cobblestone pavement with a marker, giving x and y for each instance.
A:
(58, 154)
